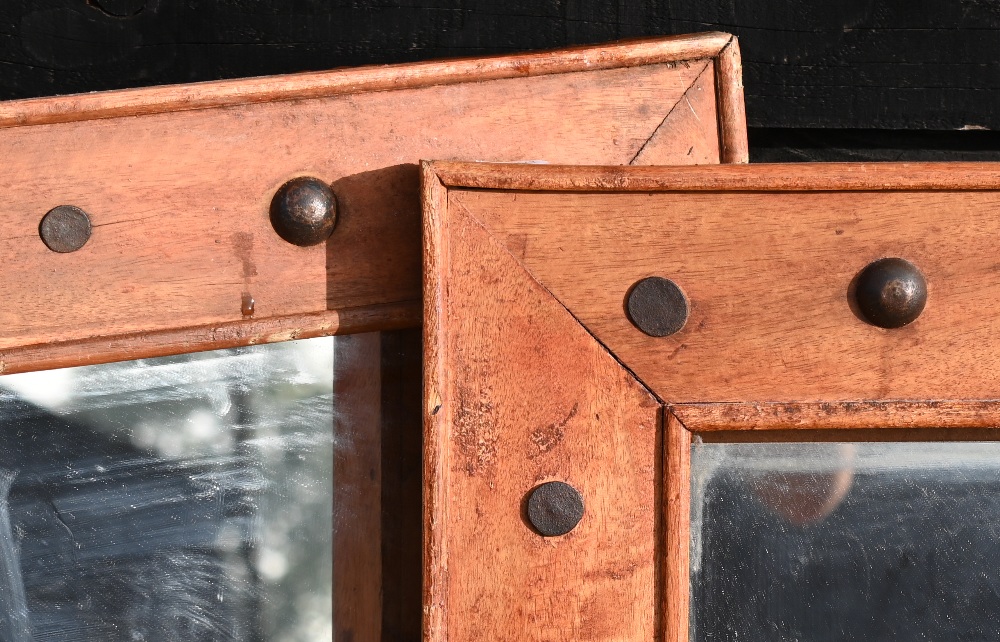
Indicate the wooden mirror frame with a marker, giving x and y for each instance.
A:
(178, 181)
(535, 373)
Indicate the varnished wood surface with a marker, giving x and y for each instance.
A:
(768, 274)
(677, 529)
(838, 416)
(732, 110)
(304, 86)
(759, 177)
(179, 199)
(873, 433)
(517, 394)
(144, 345)
(773, 351)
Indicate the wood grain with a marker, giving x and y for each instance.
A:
(518, 393)
(437, 417)
(847, 435)
(776, 177)
(216, 336)
(732, 111)
(684, 125)
(310, 85)
(836, 416)
(677, 531)
(179, 199)
(768, 273)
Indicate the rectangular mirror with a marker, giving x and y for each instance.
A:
(178, 498)
(845, 541)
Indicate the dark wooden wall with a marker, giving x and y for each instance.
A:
(849, 64)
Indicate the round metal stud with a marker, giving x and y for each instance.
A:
(554, 508)
(891, 292)
(65, 229)
(304, 211)
(657, 306)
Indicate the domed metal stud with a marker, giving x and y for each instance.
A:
(891, 292)
(304, 211)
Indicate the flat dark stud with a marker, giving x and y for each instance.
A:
(65, 229)
(657, 306)
(891, 293)
(304, 211)
(554, 508)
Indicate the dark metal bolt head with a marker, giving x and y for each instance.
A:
(657, 306)
(304, 211)
(554, 508)
(891, 292)
(65, 229)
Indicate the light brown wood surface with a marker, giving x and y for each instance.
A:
(517, 394)
(838, 416)
(768, 274)
(304, 86)
(527, 272)
(763, 177)
(177, 181)
(676, 536)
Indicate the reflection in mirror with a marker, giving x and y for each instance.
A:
(861, 541)
(180, 498)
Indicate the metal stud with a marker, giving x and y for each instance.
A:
(890, 292)
(554, 508)
(657, 306)
(304, 211)
(65, 229)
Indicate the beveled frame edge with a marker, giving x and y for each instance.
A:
(434, 197)
(862, 421)
(859, 417)
(676, 533)
(776, 177)
(308, 85)
(215, 336)
(730, 108)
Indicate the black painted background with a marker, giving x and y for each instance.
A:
(896, 64)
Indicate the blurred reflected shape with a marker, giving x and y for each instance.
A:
(806, 496)
(862, 541)
(181, 498)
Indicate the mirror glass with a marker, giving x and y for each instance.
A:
(845, 541)
(178, 498)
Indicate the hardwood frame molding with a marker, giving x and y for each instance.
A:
(455, 229)
(235, 334)
(779, 177)
(870, 416)
(193, 211)
(309, 85)
(178, 182)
